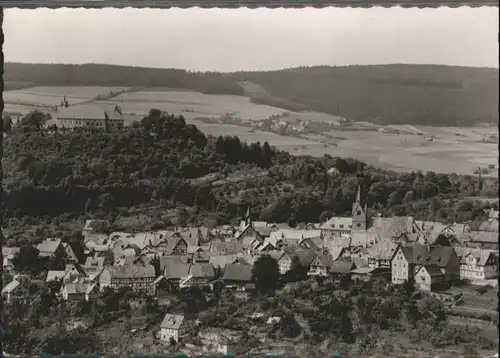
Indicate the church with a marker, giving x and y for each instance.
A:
(346, 226)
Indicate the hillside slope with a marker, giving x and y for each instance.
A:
(390, 94)
(387, 94)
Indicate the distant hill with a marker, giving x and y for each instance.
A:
(390, 94)
(385, 94)
(120, 76)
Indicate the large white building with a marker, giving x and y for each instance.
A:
(90, 116)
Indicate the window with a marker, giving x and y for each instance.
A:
(358, 212)
(359, 225)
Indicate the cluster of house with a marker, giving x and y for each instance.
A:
(398, 248)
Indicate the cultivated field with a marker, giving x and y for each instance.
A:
(193, 104)
(52, 96)
(448, 152)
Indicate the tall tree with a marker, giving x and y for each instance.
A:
(265, 274)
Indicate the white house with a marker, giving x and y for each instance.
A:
(18, 288)
(479, 265)
(428, 277)
(173, 327)
(338, 226)
(79, 292)
(8, 254)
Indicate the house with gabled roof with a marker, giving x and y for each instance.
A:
(480, 239)
(192, 236)
(173, 327)
(294, 237)
(79, 291)
(380, 254)
(342, 268)
(321, 264)
(225, 232)
(17, 289)
(262, 228)
(337, 226)
(278, 226)
(237, 275)
(76, 251)
(477, 264)
(407, 260)
(312, 226)
(73, 271)
(365, 273)
(338, 241)
(266, 246)
(55, 275)
(161, 286)
(177, 245)
(221, 261)
(248, 234)
(392, 227)
(429, 278)
(51, 248)
(8, 254)
(312, 243)
(289, 253)
(93, 265)
(137, 277)
(200, 274)
(490, 225)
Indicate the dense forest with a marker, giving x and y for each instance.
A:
(119, 76)
(385, 94)
(168, 163)
(390, 94)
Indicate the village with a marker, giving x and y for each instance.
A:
(450, 262)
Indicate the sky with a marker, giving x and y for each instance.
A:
(228, 40)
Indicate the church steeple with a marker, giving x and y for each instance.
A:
(359, 212)
(358, 195)
(248, 219)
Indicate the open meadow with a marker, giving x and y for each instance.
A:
(53, 95)
(193, 104)
(446, 153)
(456, 150)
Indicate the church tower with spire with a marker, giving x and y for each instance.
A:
(248, 218)
(359, 212)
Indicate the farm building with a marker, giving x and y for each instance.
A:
(91, 117)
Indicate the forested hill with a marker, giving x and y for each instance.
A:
(391, 94)
(221, 177)
(387, 94)
(111, 75)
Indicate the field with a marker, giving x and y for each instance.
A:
(192, 104)
(447, 153)
(52, 96)
(404, 152)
